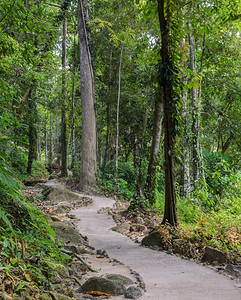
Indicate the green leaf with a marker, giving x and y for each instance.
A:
(50, 230)
(14, 260)
(8, 180)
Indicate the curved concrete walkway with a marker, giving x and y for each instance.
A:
(167, 277)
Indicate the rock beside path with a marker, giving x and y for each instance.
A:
(104, 285)
(120, 279)
(153, 239)
(67, 233)
(57, 194)
(214, 255)
(133, 292)
(63, 197)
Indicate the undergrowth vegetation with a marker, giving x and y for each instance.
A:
(18, 160)
(28, 250)
(208, 216)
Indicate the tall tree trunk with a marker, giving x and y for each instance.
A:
(51, 148)
(170, 212)
(46, 140)
(135, 144)
(108, 121)
(32, 133)
(73, 123)
(64, 171)
(73, 148)
(185, 170)
(139, 176)
(89, 132)
(196, 152)
(39, 146)
(118, 114)
(155, 146)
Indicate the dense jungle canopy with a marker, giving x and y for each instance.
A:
(140, 99)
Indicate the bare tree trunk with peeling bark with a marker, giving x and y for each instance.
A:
(89, 132)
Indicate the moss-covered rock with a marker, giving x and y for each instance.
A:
(119, 278)
(67, 233)
(133, 292)
(103, 285)
(59, 194)
(153, 239)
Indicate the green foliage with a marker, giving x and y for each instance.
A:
(18, 160)
(222, 179)
(217, 172)
(125, 185)
(39, 170)
(220, 230)
(29, 254)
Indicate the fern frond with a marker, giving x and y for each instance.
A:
(7, 180)
(4, 218)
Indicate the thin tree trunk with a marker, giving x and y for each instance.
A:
(73, 122)
(56, 136)
(227, 143)
(46, 139)
(118, 114)
(155, 146)
(201, 69)
(51, 148)
(23, 102)
(39, 147)
(202, 172)
(108, 122)
(89, 132)
(64, 171)
(196, 149)
(185, 171)
(32, 134)
(170, 211)
(135, 145)
(139, 177)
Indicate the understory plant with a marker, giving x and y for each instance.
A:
(29, 254)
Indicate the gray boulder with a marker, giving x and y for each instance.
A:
(122, 228)
(214, 255)
(103, 285)
(67, 233)
(153, 239)
(133, 292)
(120, 279)
(138, 220)
(59, 194)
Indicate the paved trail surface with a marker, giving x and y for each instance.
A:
(167, 277)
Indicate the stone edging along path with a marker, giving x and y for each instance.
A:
(165, 276)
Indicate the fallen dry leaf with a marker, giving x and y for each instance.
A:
(98, 293)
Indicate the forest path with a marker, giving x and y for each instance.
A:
(166, 276)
